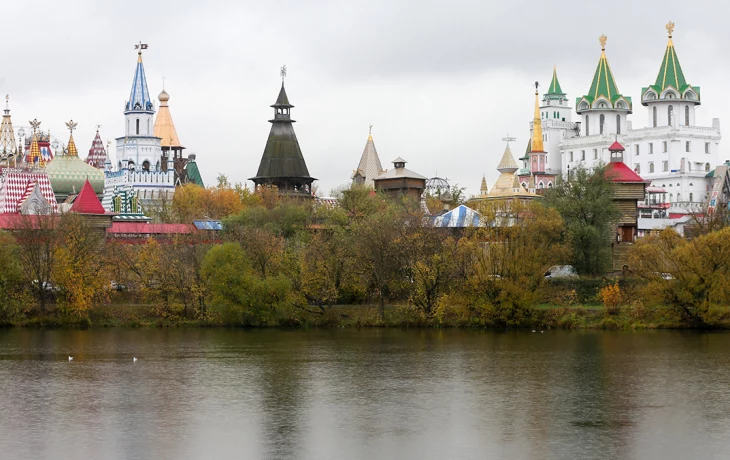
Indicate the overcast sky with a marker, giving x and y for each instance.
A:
(441, 81)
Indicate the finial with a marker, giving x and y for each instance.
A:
(98, 127)
(35, 124)
(602, 40)
(141, 46)
(283, 73)
(71, 125)
(508, 139)
(670, 28)
(163, 83)
(537, 85)
(370, 131)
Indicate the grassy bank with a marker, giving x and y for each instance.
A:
(544, 316)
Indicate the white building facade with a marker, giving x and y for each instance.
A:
(672, 152)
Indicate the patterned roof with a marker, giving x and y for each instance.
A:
(164, 127)
(14, 185)
(7, 134)
(139, 96)
(604, 84)
(97, 153)
(459, 217)
(369, 167)
(670, 73)
(34, 202)
(86, 202)
(68, 173)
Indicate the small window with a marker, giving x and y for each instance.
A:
(571, 156)
(686, 121)
(651, 166)
(670, 114)
(707, 147)
(582, 155)
(687, 146)
(637, 149)
(653, 114)
(690, 197)
(137, 125)
(618, 124)
(651, 147)
(595, 154)
(664, 146)
(601, 122)
(637, 168)
(707, 166)
(665, 166)
(588, 127)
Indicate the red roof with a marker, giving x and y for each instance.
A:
(616, 147)
(617, 171)
(142, 228)
(86, 202)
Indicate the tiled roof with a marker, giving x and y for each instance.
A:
(86, 202)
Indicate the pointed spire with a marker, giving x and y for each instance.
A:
(369, 167)
(164, 127)
(670, 72)
(35, 157)
(71, 149)
(87, 202)
(139, 96)
(97, 154)
(604, 86)
(507, 163)
(554, 89)
(7, 134)
(537, 143)
(483, 188)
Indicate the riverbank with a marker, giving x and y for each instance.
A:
(541, 317)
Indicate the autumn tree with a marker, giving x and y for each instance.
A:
(11, 280)
(38, 238)
(688, 276)
(585, 202)
(80, 268)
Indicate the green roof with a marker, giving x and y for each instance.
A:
(194, 173)
(604, 85)
(68, 173)
(554, 91)
(671, 75)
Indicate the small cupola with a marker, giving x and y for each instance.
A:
(617, 152)
(399, 163)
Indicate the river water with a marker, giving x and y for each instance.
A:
(363, 394)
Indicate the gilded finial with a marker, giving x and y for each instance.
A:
(602, 40)
(34, 124)
(71, 125)
(670, 28)
(283, 73)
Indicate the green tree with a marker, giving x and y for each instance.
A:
(38, 237)
(585, 201)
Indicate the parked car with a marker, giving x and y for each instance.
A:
(561, 272)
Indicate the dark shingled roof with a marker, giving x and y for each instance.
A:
(282, 160)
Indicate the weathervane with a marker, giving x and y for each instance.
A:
(670, 28)
(602, 40)
(537, 85)
(71, 125)
(98, 127)
(283, 72)
(34, 124)
(371, 129)
(141, 46)
(508, 139)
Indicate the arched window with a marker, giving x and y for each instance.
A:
(671, 197)
(686, 117)
(679, 197)
(653, 115)
(618, 124)
(588, 127)
(690, 197)
(670, 114)
(601, 122)
(146, 165)
(137, 125)
(651, 167)
(707, 166)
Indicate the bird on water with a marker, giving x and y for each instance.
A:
(70, 358)
(134, 359)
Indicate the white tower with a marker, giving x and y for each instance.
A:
(555, 112)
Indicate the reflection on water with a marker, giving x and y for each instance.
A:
(369, 394)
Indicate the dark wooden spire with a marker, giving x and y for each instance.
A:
(282, 163)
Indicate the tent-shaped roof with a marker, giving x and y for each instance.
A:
(193, 172)
(554, 91)
(603, 84)
(97, 153)
(164, 126)
(369, 167)
(670, 73)
(459, 217)
(86, 202)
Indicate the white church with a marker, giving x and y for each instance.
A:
(672, 153)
